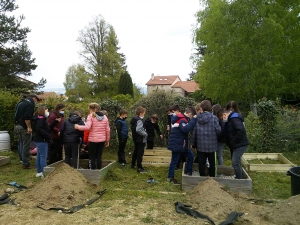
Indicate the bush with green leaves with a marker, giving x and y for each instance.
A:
(287, 135)
(267, 114)
(254, 133)
(8, 102)
(285, 129)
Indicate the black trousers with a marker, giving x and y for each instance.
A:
(55, 151)
(121, 150)
(138, 154)
(211, 156)
(150, 144)
(71, 151)
(95, 153)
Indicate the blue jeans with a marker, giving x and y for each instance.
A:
(174, 160)
(237, 154)
(220, 153)
(41, 156)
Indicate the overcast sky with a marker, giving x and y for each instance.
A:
(155, 36)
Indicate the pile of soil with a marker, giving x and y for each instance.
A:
(287, 211)
(210, 198)
(64, 187)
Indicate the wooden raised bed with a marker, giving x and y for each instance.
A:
(281, 164)
(4, 160)
(157, 157)
(94, 176)
(236, 185)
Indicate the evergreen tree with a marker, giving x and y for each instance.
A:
(15, 57)
(125, 84)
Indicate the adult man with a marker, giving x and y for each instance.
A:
(23, 116)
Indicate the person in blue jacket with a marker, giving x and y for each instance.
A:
(122, 130)
(236, 137)
(178, 142)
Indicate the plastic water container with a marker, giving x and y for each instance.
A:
(4, 141)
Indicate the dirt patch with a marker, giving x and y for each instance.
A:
(210, 198)
(64, 187)
(287, 211)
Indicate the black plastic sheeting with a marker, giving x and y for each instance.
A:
(186, 209)
(77, 207)
(4, 199)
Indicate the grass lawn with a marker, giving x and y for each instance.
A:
(126, 183)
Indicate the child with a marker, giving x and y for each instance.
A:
(178, 142)
(139, 136)
(99, 134)
(205, 138)
(122, 130)
(151, 125)
(72, 138)
(236, 137)
(41, 140)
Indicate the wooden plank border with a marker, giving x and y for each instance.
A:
(285, 166)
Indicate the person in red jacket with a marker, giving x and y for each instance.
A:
(99, 134)
(55, 121)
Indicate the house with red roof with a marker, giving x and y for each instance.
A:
(171, 83)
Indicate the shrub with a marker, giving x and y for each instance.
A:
(8, 104)
(287, 135)
(267, 114)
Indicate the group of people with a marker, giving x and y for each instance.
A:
(210, 128)
(204, 127)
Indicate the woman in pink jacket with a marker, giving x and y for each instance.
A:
(99, 135)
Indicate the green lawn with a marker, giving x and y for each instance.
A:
(124, 182)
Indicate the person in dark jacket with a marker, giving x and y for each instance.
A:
(23, 116)
(139, 136)
(218, 111)
(72, 138)
(151, 125)
(41, 139)
(236, 137)
(122, 131)
(178, 142)
(205, 138)
(55, 148)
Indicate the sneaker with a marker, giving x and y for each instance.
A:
(174, 181)
(188, 174)
(122, 164)
(39, 175)
(142, 170)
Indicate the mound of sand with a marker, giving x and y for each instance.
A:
(210, 198)
(287, 211)
(64, 187)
